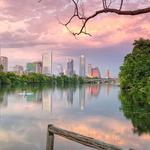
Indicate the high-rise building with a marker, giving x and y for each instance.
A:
(82, 66)
(60, 69)
(89, 70)
(18, 69)
(108, 74)
(47, 60)
(34, 67)
(70, 65)
(95, 73)
(30, 67)
(38, 67)
(4, 63)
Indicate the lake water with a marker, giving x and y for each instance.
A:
(91, 110)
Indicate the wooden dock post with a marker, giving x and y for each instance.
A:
(84, 140)
(50, 139)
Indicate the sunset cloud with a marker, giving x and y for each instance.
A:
(33, 26)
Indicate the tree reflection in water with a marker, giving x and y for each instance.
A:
(136, 107)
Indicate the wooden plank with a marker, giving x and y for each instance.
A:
(50, 140)
(84, 140)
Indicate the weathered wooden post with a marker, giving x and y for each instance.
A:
(84, 140)
(50, 139)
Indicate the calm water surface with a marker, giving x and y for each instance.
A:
(93, 111)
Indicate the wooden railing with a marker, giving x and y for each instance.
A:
(87, 141)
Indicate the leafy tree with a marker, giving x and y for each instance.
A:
(135, 86)
(11, 78)
(135, 71)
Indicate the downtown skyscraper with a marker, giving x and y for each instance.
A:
(4, 63)
(82, 66)
(70, 67)
(47, 61)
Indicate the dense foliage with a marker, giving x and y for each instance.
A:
(136, 107)
(135, 86)
(135, 72)
(11, 78)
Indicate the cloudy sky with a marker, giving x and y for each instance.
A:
(29, 28)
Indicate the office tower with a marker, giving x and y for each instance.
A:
(30, 67)
(82, 66)
(89, 70)
(70, 65)
(60, 69)
(47, 60)
(4, 63)
(82, 97)
(18, 69)
(108, 75)
(34, 67)
(38, 67)
(95, 73)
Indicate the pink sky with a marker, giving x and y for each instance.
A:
(29, 28)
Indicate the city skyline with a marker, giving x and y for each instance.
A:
(47, 59)
(45, 66)
(25, 37)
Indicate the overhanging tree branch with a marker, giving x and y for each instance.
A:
(106, 8)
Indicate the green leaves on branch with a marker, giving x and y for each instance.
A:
(135, 71)
(135, 86)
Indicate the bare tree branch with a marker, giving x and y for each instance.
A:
(106, 9)
(121, 4)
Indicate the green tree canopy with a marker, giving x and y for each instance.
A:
(135, 86)
(135, 71)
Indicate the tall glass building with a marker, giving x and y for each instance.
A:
(82, 66)
(47, 60)
(4, 63)
(70, 66)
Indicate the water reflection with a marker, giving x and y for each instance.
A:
(94, 90)
(108, 89)
(91, 110)
(70, 94)
(82, 97)
(47, 100)
(136, 107)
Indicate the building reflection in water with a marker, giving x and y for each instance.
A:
(94, 90)
(82, 97)
(108, 89)
(3, 100)
(34, 97)
(47, 100)
(70, 92)
(45, 96)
